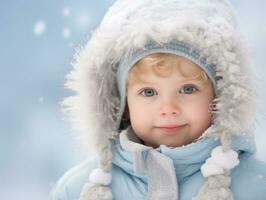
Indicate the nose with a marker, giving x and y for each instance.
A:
(169, 109)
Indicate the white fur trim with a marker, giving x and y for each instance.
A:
(219, 162)
(98, 176)
(207, 25)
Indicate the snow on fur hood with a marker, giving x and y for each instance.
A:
(209, 25)
(129, 24)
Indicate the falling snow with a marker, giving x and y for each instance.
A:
(39, 27)
(66, 12)
(66, 32)
(83, 20)
(41, 99)
(40, 119)
(260, 176)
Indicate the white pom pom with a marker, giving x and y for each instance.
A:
(219, 161)
(227, 160)
(211, 169)
(98, 176)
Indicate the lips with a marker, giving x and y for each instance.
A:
(172, 128)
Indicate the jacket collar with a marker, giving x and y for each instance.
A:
(130, 154)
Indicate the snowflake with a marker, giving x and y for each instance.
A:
(83, 20)
(66, 32)
(39, 27)
(41, 99)
(66, 12)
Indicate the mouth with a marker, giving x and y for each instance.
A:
(172, 128)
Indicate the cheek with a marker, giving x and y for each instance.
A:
(139, 115)
(200, 114)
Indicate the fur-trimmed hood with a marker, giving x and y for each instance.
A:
(128, 25)
(208, 25)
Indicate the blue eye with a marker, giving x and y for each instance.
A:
(148, 92)
(188, 89)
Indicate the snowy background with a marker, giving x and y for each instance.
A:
(37, 43)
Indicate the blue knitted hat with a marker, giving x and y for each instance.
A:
(174, 47)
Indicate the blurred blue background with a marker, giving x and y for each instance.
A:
(38, 40)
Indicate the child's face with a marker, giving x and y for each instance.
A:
(172, 110)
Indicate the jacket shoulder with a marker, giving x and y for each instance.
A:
(69, 186)
(249, 180)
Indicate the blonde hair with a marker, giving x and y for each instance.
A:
(163, 65)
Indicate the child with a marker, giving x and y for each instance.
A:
(165, 99)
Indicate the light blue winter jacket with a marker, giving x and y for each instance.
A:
(248, 178)
(141, 172)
